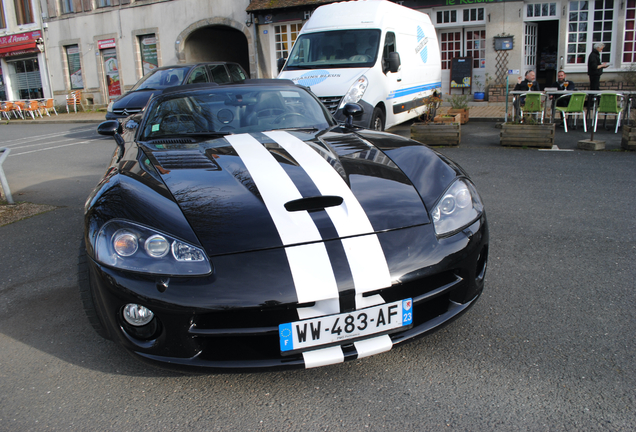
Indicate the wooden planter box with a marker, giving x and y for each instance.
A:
(628, 142)
(527, 135)
(448, 118)
(449, 134)
(463, 112)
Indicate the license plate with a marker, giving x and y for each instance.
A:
(334, 329)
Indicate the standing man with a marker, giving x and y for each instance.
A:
(595, 67)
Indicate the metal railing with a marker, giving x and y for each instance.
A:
(4, 152)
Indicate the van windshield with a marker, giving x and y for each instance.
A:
(335, 49)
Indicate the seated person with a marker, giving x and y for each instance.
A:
(560, 85)
(525, 86)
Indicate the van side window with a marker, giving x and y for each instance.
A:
(389, 47)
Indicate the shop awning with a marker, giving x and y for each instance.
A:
(260, 5)
(18, 49)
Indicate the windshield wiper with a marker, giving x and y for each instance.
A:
(300, 129)
(208, 133)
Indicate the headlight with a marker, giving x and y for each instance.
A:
(129, 246)
(458, 207)
(355, 92)
(110, 106)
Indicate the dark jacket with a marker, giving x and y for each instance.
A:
(560, 86)
(523, 86)
(593, 63)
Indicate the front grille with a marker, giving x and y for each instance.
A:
(331, 102)
(127, 111)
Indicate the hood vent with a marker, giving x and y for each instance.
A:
(185, 160)
(173, 141)
(347, 144)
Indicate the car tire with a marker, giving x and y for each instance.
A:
(377, 119)
(87, 295)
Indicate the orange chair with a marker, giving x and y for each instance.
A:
(19, 107)
(32, 107)
(46, 106)
(74, 99)
(7, 109)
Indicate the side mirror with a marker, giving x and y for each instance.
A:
(394, 62)
(350, 111)
(280, 63)
(109, 128)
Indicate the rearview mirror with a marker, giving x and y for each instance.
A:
(109, 128)
(394, 62)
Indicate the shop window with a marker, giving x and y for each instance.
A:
(148, 50)
(476, 47)
(23, 12)
(471, 15)
(590, 23)
(74, 67)
(285, 35)
(541, 10)
(450, 47)
(629, 46)
(25, 74)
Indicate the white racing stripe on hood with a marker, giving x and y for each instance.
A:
(310, 266)
(365, 255)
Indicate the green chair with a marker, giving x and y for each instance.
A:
(534, 105)
(576, 106)
(610, 104)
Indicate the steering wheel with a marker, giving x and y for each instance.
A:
(289, 114)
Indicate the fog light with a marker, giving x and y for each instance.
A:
(137, 315)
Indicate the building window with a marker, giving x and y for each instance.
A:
(475, 14)
(476, 47)
(23, 12)
(629, 47)
(103, 3)
(67, 6)
(539, 10)
(447, 16)
(3, 23)
(285, 36)
(589, 23)
(450, 47)
(74, 67)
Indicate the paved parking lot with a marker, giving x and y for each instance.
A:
(549, 346)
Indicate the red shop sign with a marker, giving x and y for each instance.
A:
(106, 43)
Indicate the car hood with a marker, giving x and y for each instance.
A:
(134, 99)
(267, 190)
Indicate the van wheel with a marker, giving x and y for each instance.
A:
(377, 119)
(87, 295)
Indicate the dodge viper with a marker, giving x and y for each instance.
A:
(240, 226)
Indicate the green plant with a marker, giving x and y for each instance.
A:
(458, 101)
(430, 103)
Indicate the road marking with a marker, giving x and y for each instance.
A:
(50, 148)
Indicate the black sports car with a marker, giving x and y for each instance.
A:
(239, 226)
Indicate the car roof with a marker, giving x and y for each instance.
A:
(191, 65)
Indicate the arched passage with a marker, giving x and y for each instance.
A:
(217, 39)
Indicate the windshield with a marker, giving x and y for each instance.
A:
(338, 49)
(239, 109)
(160, 79)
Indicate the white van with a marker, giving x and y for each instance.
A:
(374, 52)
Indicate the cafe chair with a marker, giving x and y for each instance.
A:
(32, 107)
(73, 99)
(534, 105)
(46, 106)
(8, 108)
(576, 106)
(610, 104)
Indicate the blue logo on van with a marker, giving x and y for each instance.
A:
(314, 77)
(421, 47)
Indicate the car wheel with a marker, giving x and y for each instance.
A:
(377, 119)
(86, 293)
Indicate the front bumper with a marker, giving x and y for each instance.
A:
(220, 321)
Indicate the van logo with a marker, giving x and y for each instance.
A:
(314, 77)
(421, 47)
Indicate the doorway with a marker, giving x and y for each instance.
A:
(217, 43)
(547, 52)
